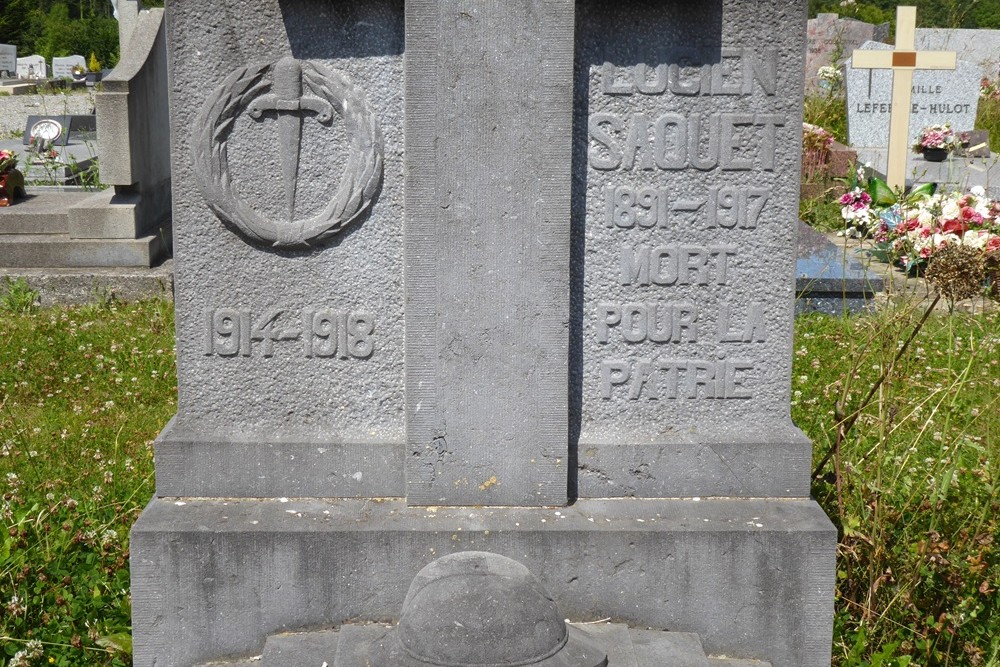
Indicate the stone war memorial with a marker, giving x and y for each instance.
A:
(484, 322)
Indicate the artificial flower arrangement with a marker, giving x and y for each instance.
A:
(11, 180)
(816, 144)
(8, 161)
(940, 137)
(911, 231)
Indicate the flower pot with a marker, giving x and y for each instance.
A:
(935, 154)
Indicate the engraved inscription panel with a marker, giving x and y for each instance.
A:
(320, 332)
(684, 146)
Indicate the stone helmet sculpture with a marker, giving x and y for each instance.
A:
(477, 609)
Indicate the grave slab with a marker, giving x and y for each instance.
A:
(955, 173)
(830, 279)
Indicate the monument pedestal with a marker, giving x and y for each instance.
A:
(509, 277)
(753, 578)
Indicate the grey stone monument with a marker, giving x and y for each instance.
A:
(939, 96)
(31, 67)
(62, 68)
(133, 143)
(831, 39)
(585, 371)
(8, 60)
(979, 47)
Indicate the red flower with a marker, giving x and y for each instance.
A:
(955, 227)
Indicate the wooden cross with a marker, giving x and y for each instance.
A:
(903, 61)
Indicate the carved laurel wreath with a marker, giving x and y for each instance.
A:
(362, 174)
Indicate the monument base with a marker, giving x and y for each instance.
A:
(213, 579)
(625, 648)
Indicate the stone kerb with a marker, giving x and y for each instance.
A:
(939, 96)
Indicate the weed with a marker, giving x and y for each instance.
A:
(904, 406)
(828, 111)
(988, 118)
(18, 297)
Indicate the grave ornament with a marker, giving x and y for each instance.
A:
(478, 608)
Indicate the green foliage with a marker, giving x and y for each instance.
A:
(930, 13)
(63, 28)
(822, 213)
(18, 297)
(988, 118)
(913, 487)
(83, 391)
(828, 112)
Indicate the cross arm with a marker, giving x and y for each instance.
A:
(913, 60)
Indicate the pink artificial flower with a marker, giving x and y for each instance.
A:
(972, 216)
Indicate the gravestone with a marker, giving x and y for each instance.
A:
(63, 67)
(939, 96)
(31, 67)
(831, 40)
(979, 47)
(594, 210)
(8, 60)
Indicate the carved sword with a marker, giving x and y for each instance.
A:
(287, 100)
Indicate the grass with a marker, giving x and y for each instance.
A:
(912, 486)
(83, 392)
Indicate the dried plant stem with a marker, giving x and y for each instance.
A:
(846, 423)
